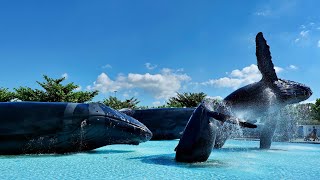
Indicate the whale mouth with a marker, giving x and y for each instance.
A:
(107, 130)
(130, 127)
(113, 126)
(293, 92)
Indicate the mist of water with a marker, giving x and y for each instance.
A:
(225, 129)
(82, 135)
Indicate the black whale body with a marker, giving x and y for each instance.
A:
(264, 98)
(252, 102)
(49, 127)
(199, 135)
(164, 123)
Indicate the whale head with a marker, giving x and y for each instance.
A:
(291, 92)
(103, 125)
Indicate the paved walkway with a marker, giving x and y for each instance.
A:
(300, 140)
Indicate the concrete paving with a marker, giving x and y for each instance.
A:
(301, 140)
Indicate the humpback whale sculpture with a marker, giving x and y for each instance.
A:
(249, 102)
(264, 97)
(164, 123)
(199, 135)
(40, 127)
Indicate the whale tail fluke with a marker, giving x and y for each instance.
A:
(264, 61)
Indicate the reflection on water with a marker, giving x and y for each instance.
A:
(168, 160)
(99, 151)
(235, 149)
(105, 151)
(240, 149)
(33, 156)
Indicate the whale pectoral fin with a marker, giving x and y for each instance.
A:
(242, 123)
(247, 124)
(218, 116)
(264, 61)
(233, 120)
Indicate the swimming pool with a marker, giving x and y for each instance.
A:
(155, 160)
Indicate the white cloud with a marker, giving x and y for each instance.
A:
(238, 78)
(156, 103)
(278, 69)
(307, 36)
(281, 8)
(105, 84)
(214, 97)
(318, 44)
(150, 66)
(308, 101)
(304, 33)
(78, 88)
(293, 67)
(106, 66)
(126, 95)
(166, 71)
(302, 26)
(163, 85)
(129, 94)
(263, 13)
(65, 75)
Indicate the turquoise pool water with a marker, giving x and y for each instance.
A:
(155, 160)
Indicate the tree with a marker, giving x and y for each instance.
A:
(54, 91)
(186, 99)
(316, 109)
(6, 95)
(116, 103)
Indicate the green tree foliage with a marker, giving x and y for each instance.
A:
(116, 103)
(54, 91)
(186, 99)
(6, 95)
(316, 109)
(299, 113)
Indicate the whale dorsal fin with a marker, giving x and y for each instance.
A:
(264, 61)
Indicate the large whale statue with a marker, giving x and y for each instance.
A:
(250, 102)
(200, 132)
(164, 123)
(264, 97)
(41, 127)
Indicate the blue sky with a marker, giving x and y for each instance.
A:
(153, 49)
